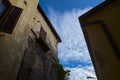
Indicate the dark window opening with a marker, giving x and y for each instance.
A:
(34, 18)
(25, 3)
(2, 8)
(9, 16)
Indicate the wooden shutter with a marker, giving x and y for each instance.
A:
(43, 34)
(42, 40)
(8, 24)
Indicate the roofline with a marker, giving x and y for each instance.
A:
(49, 23)
(95, 9)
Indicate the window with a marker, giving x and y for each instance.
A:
(4, 5)
(42, 39)
(9, 16)
(2, 8)
(43, 33)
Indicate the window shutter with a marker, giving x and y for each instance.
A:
(42, 40)
(10, 21)
(43, 34)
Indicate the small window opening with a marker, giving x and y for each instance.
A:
(34, 18)
(38, 21)
(25, 3)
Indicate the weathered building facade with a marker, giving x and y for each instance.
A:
(28, 42)
(101, 27)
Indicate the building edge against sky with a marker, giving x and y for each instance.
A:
(101, 28)
(28, 42)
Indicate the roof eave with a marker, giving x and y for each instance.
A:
(49, 23)
(94, 10)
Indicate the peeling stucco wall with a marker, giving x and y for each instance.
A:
(19, 50)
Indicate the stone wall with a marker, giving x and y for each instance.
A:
(21, 56)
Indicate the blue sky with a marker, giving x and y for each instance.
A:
(67, 5)
(72, 51)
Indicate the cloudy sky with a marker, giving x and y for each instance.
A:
(72, 51)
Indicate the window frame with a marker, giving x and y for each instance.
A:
(7, 5)
(6, 24)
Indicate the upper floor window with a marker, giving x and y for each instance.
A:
(2, 8)
(4, 5)
(9, 16)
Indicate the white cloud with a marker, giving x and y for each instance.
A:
(81, 73)
(73, 46)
